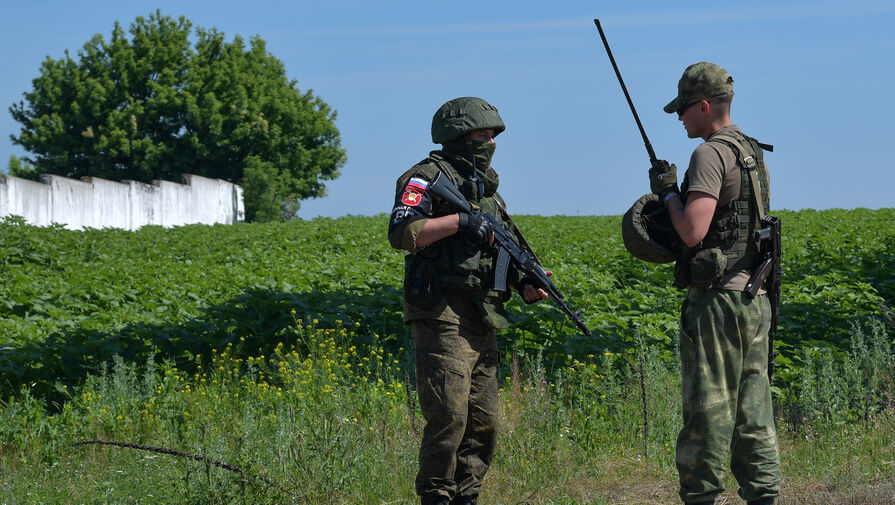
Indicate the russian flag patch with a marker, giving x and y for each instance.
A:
(418, 184)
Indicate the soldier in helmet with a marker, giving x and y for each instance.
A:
(449, 301)
(724, 331)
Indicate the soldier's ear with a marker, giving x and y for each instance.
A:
(705, 106)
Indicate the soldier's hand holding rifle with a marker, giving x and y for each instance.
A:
(475, 228)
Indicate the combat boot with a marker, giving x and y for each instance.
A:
(434, 499)
(465, 500)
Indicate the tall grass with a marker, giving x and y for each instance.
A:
(322, 420)
(840, 388)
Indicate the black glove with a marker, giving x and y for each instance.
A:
(663, 178)
(475, 228)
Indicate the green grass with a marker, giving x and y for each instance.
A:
(280, 349)
(328, 422)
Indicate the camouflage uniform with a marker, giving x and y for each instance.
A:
(726, 394)
(452, 310)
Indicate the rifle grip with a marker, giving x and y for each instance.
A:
(756, 280)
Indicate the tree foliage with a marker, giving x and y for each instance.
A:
(23, 170)
(169, 100)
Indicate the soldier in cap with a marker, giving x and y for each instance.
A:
(724, 331)
(449, 301)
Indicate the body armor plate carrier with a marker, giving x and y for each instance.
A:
(729, 245)
(454, 263)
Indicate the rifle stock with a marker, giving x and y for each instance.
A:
(508, 251)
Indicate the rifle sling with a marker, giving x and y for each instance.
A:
(756, 194)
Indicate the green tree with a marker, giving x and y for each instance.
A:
(154, 106)
(23, 170)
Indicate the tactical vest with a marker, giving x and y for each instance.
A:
(729, 245)
(454, 262)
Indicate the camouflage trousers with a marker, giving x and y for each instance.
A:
(726, 397)
(456, 376)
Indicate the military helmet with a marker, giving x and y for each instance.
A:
(462, 115)
(647, 231)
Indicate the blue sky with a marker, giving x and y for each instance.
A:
(813, 78)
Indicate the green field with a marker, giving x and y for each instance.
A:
(279, 348)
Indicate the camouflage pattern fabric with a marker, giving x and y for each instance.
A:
(647, 232)
(456, 376)
(700, 80)
(726, 396)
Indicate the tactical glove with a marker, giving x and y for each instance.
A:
(475, 228)
(663, 178)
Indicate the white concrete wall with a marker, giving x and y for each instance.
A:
(22, 197)
(99, 203)
(110, 205)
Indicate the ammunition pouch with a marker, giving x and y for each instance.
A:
(701, 270)
(454, 264)
(421, 281)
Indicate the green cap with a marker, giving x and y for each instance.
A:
(700, 80)
(462, 115)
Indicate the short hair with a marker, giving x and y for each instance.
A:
(722, 102)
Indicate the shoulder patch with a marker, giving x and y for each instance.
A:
(411, 197)
(418, 183)
(413, 192)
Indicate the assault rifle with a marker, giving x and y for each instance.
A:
(507, 250)
(768, 274)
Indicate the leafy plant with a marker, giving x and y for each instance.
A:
(74, 299)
